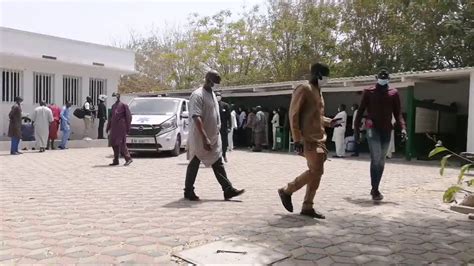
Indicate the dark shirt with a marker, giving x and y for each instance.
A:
(380, 104)
(102, 111)
(224, 112)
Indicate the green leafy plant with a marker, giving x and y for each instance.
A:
(462, 184)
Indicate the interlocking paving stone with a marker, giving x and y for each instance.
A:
(67, 207)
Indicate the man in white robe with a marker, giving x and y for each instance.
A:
(205, 144)
(233, 126)
(339, 132)
(42, 118)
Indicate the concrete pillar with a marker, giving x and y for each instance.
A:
(470, 119)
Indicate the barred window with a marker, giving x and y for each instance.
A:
(43, 88)
(71, 90)
(11, 82)
(96, 88)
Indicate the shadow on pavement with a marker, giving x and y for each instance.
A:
(105, 166)
(182, 203)
(293, 221)
(368, 202)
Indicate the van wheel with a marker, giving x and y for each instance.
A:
(177, 147)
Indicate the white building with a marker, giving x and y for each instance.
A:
(42, 67)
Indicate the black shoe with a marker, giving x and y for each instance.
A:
(190, 195)
(232, 192)
(15, 153)
(285, 200)
(114, 163)
(337, 156)
(127, 163)
(225, 159)
(355, 155)
(376, 195)
(313, 214)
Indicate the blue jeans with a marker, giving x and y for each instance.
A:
(65, 138)
(14, 145)
(378, 145)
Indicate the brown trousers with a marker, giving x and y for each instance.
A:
(315, 157)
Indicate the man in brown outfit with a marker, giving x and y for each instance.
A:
(307, 122)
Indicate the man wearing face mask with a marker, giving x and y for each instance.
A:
(307, 122)
(381, 102)
(204, 138)
(224, 113)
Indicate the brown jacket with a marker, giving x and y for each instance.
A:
(307, 120)
(14, 128)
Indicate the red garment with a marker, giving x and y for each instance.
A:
(380, 103)
(119, 123)
(54, 126)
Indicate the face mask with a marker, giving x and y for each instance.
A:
(382, 82)
(323, 81)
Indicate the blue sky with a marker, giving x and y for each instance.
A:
(107, 21)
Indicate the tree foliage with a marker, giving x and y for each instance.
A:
(279, 40)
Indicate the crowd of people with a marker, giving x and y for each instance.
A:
(254, 128)
(211, 121)
(46, 120)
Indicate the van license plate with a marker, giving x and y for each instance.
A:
(140, 140)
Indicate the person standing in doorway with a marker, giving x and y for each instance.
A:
(275, 125)
(307, 123)
(267, 123)
(259, 129)
(340, 132)
(119, 125)
(355, 109)
(224, 113)
(204, 140)
(54, 127)
(42, 118)
(65, 125)
(241, 131)
(102, 116)
(249, 128)
(381, 102)
(88, 109)
(233, 127)
(14, 127)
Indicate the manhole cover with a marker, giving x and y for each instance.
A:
(231, 251)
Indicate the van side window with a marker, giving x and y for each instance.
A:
(183, 107)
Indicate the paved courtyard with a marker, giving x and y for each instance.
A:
(70, 207)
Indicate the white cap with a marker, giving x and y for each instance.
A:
(102, 97)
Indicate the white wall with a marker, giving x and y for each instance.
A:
(27, 44)
(445, 93)
(58, 69)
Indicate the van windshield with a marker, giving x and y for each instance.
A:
(153, 106)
